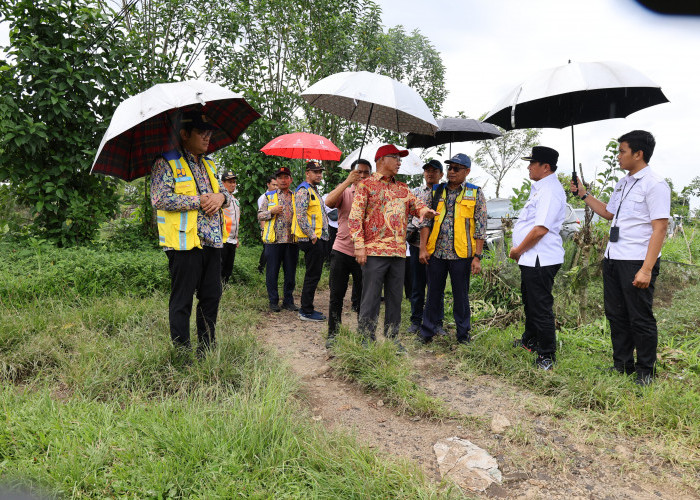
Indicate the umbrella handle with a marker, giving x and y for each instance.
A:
(359, 155)
(574, 178)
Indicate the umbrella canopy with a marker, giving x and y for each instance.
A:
(302, 145)
(372, 99)
(410, 165)
(576, 93)
(145, 125)
(454, 130)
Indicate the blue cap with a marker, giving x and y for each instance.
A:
(434, 164)
(461, 159)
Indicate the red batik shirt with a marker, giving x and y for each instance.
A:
(379, 215)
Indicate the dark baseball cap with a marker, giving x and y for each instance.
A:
(314, 165)
(543, 154)
(434, 164)
(460, 159)
(283, 171)
(228, 175)
(196, 119)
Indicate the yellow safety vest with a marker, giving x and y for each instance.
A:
(465, 203)
(314, 214)
(178, 230)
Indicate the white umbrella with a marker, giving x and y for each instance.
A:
(143, 126)
(410, 165)
(373, 99)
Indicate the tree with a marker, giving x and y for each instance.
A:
(63, 74)
(272, 50)
(498, 156)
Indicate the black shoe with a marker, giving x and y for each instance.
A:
(425, 340)
(528, 347)
(544, 363)
(290, 307)
(441, 331)
(330, 341)
(275, 308)
(616, 370)
(465, 340)
(414, 328)
(643, 380)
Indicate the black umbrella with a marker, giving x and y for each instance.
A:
(576, 93)
(453, 130)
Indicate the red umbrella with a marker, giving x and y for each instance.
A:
(302, 145)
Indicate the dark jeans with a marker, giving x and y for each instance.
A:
(228, 256)
(285, 255)
(328, 245)
(313, 258)
(629, 311)
(194, 270)
(387, 274)
(342, 267)
(536, 287)
(420, 280)
(263, 259)
(460, 272)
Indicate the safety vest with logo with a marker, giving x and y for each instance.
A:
(178, 230)
(268, 232)
(464, 227)
(314, 214)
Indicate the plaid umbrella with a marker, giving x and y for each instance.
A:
(145, 126)
(302, 145)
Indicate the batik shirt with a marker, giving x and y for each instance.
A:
(445, 244)
(379, 216)
(283, 222)
(301, 198)
(423, 193)
(163, 197)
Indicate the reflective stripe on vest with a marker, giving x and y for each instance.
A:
(178, 230)
(268, 234)
(463, 222)
(313, 213)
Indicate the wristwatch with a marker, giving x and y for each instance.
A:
(478, 256)
(584, 196)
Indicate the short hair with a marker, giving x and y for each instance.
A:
(271, 178)
(360, 161)
(552, 168)
(640, 140)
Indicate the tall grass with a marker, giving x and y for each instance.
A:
(96, 403)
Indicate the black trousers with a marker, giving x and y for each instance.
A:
(228, 256)
(342, 267)
(263, 260)
(197, 270)
(460, 273)
(328, 245)
(285, 255)
(629, 311)
(419, 281)
(536, 288)
(387, 274)
(313, 258)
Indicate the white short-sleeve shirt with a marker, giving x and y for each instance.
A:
(546, 207)
(640, 198)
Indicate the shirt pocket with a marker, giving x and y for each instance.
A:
(636, 204)
(466, 208)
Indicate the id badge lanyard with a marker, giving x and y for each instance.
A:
(614, 229)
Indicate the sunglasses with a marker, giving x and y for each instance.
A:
(455, 169)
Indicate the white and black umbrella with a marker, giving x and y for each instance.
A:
(576, 93)
(372, 99)
(454, 130)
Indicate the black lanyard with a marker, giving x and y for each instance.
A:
(624, 195)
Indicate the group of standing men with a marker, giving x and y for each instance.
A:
(446, 227)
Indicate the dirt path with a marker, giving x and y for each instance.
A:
(538, 459)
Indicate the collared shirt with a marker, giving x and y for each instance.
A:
(424, 194)
(343, 241)
(445, 243)
(301, 199)
(233, 212)
(546, 207)
(163, 197)
(283, 222)
(379, 215)
(641, 198)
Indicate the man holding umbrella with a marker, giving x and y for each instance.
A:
(378, 220)
(538, 250)
(310, 227)
(191, 228)
(639, 207)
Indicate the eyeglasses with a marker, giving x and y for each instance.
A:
(203, 133)
(455, 168)
(396, 157)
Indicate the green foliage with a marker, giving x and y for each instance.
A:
(498, 156)
(63, 75)
(521, 194)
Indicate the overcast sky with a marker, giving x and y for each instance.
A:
(488, 47)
